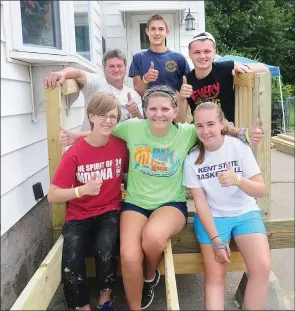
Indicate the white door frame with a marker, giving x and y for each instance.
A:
(176, 27)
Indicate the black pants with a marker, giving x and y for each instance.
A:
(101, 233)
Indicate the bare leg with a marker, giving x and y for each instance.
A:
(85, 308)
(131, 255)
(255, 251)
(215, 275)
(156, 233)
(105, 296)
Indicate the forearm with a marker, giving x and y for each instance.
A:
(137, 115)
(141, 87)
(182, 114)
(59, 195)
(204, 212)
(258, 68)
(72, 73)
(252, 188)
(82, 134)
(207, 220)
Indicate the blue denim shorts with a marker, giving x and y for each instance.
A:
(227, 227)
(181, 206)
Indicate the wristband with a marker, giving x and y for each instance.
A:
(216, 236)
(238, 181)
(247, 136)
(220, 245)
(243, 136)
(144, 80)
(77, 193)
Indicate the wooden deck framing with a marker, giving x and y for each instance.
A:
(182, 255)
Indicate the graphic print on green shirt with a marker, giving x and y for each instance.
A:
(156, 163)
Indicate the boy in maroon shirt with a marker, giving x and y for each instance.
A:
(89, 178)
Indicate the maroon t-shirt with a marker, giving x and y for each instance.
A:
(77, 166)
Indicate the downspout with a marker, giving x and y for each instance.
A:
(34, 117)
(282, 102)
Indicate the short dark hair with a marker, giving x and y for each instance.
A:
(157, 17)
(113, 53)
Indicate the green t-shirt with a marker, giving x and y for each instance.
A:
(155, 163)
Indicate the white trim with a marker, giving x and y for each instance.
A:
(144, 7)
(140, 6)
(91, 22)
(17, 36)
(50, 59)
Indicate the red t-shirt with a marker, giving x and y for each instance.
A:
(76, 168)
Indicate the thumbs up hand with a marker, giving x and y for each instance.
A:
(92, 187)
(228, 177)
(186, 89)
(256, 133)
(132, 106)
(67, 137)
(152, 74)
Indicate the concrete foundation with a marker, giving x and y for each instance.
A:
(23, 248)
(274, 299)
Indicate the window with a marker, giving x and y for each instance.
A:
(41, 23)
(81, 19)
(145, 44)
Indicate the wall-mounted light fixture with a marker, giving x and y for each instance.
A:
(189, 21)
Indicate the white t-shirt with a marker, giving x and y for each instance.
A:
(96, 84)
(223, 201)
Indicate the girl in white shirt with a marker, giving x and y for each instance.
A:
(224, 179)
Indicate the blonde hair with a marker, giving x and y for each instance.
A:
(101, 104)
(227, 128)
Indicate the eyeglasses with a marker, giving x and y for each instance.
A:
(113, 119)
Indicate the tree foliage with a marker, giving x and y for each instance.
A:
(258, 29)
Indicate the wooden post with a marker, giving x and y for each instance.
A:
(253, 101)
(54, 108)
(42, 286)
(170, 279)
(53, 104)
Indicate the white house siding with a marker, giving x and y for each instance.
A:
(116, 33)
(23, 151)
(24, 158)
(197, 10)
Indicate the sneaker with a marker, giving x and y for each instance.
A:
(107, 306)
(148, 291)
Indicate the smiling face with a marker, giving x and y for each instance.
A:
(160, 112)
(115, 70)
(157, 32)
(202, 54)
(209, 126)
(103, 124)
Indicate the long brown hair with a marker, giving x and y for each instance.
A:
(228, 129)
